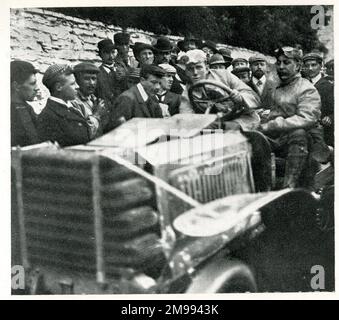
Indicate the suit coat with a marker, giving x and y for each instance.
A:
(65, 125)
(23, 125)
(173, 101)
(326, 92)
(267, 94)
(130, 104)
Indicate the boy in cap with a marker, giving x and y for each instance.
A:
(139, 100)
(243, 73)
(239, 62)
(60, 121)
(241, 96)
(295, 109)
(23, 118)
(168, 101)
(313, 65)
(260, 82)
(86, 75)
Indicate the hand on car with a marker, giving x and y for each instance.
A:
(236, 96)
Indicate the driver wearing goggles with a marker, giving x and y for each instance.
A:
(237, 103)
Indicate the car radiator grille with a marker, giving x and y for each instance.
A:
(81, 212)
(216, 178)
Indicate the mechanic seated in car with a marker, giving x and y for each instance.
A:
(236, 108)
(60, 121)
(295, 110)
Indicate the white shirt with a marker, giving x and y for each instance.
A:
(108, 69)
(142, 92)
(316, 79)
(262, 80)
(58, 100)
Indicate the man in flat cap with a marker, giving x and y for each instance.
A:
(23, 118)
(239, 62)
(60, 121)
(260, 82)
(241, 96)
(169, 101)
(86, 76)
(243, 73)
(144, 53)
(312, 66)
(139, 100)
(295, 110)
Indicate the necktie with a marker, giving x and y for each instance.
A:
(259, 83)
(161, 97)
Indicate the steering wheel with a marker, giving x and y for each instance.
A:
(207, 103)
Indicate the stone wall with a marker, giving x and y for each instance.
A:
(44, 37)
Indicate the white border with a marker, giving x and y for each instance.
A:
(5, 147)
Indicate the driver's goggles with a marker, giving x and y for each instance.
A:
(289, 52)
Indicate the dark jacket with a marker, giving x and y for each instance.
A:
(23, 125)
(65, 125)
(173, 101)
(268, 92)
(130, 104)
(326, 92)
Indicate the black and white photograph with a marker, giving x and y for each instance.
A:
(171, 149)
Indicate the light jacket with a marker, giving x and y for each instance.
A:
(296, 105)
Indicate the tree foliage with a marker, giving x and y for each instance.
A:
(261, 28)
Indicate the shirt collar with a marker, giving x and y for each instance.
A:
(142, 92)
(60, 101)
(262, 80)
(82, 97)
(108, 68)
(316, 79)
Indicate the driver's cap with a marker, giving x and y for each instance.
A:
(195, 56)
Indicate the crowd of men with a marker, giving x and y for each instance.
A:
(293, 107)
